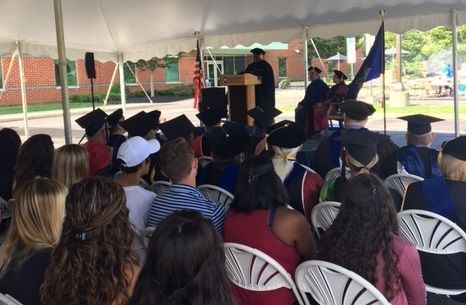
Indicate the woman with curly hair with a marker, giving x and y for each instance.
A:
(70, 164)
(34, 159)
(363, 239)
(35, 229)
(185, 264)
(93, 263)
(9, 146)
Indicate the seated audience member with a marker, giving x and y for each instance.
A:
(227, 145)
(258, 218)
(302, 183)
(93, 262)
(9, 147)
(116, 136)
(444, 195)
(100, 155)
(170, 276)
(70, 164)
(35, 229)
(178, 163)
(360, 155)
(180, 126)
(356, 113)
(263, 119)
(34, 159)
(363, 238)
(416, 158)
(133, 157)
(210, 117)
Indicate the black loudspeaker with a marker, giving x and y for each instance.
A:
(90, 65)
(215, 98)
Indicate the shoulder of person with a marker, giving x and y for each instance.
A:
(289, 217)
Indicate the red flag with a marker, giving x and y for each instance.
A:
(198, 78)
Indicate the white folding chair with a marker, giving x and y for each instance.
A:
(216, 194)
(336, 172)
(330, 284)
(254, 270)
(432, 233)
(5, 211)
(203, 160)
(6, 299)
(323, 214)
(400, 182)
(147, 235)
(160, 187)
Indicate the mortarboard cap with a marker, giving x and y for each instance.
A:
(317, 70)
(456, 148)
(419, 124)
(155, 115)
(278, 125)
(263, 117)
(357, 110)
(361, 144)
(139, 124)
(210, 116)
(114, 118)
(229, 140)
(289, 135)
(257, 51)
(180, 126)
(340, 74)
(92, 122)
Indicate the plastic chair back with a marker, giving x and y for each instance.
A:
(323, 214)
(6, 299)
(160, 187)
(400, 182)
(336, 172)
(204, 160)
(216, 194)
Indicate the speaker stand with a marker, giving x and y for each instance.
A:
(92, 93)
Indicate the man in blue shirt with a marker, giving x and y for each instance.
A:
(178, 163)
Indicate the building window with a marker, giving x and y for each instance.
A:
(282, 67)
(130, 79)
(240, 64)
(172, 71)
(70, 73)
(233, 64)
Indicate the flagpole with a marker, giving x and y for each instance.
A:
(384, 105)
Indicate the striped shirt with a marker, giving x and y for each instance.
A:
(184, 197)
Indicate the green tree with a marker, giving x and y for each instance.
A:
(151, 65)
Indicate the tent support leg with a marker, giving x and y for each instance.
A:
(23, 89)
(122, 83)
(306, 57)
(110, 85)
(455, 73)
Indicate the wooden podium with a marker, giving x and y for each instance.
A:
(241, 96)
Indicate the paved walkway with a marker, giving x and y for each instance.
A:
(51, 122)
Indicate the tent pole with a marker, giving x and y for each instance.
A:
(122, 83)
(110, 85)
(8, 72)
(23, 89)
(320, 58)
(139, 83)
(62, 69)
(384, 97)
(306, 57)
(455, 73)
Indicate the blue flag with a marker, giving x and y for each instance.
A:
(372, 67)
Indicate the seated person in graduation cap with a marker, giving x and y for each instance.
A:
(416, 158)
(444, 195)
(180, 126)
(100, 155)
(263, 119)
(116, 137)
(227, 143)
(356, 113)
(302, 183)
(155, 115)
(360, 155)
(210, 117)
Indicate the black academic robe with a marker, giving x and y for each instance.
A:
(265, 93)
(316, 92)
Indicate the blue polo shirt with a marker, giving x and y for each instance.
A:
(184, 197)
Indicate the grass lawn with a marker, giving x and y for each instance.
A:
(40, 107)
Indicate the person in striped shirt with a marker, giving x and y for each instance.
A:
(178, 163)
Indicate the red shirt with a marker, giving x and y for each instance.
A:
(100, 156)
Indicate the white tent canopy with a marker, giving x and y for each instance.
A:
(146, 28)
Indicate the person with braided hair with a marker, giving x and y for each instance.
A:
(185, 264)
(93, 263)
(363, 238)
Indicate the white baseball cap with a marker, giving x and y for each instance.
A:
(136, 149)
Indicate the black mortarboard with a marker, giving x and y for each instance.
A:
(155, 114)
(315, 69)
(278, 125)
(456, 148)
(92, 122)
(180, 126)
(139, 124)
(257, 51)
(340, 74)
(361, 144)
(114, 118)
(263, 117)
(357, 110)
(210, 116)
(419, 124)
(229, 140)
(287, 136)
